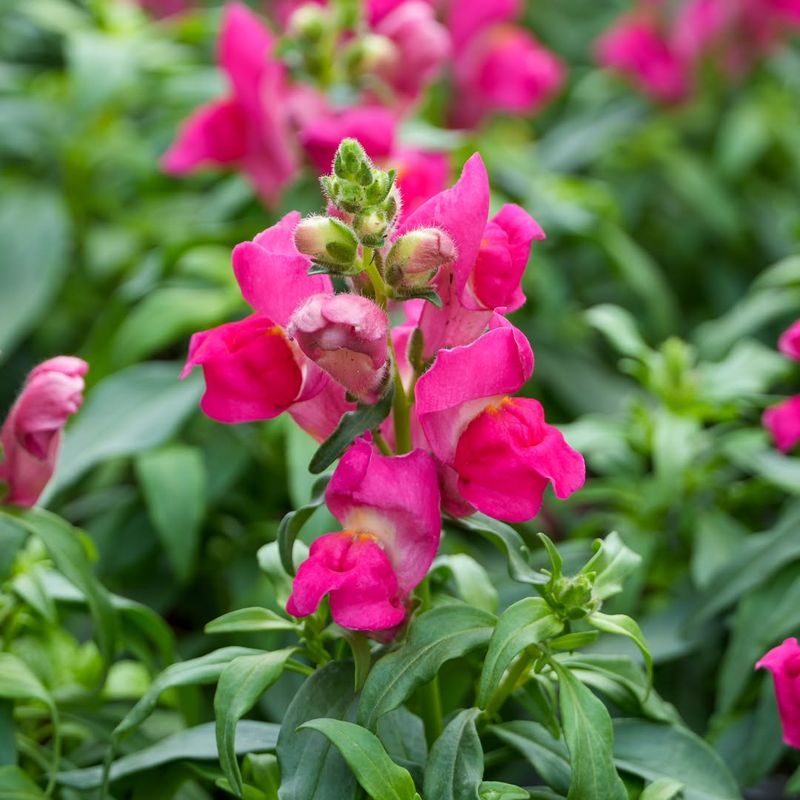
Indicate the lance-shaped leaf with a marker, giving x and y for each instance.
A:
(194, 672)
(350, 427)
(293, 522)
(526, 622)
(473, 583)
(495, 790)
(240, 685)
(380, 777)
(612, 563)
(590, 740)
(622, 625)
(248, 620)
(662, 789)
(455, 765)
(434, 637)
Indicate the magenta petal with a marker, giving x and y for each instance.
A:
(420, 176)
(783, 662)
(275, 281)
(470, 17)
(789, 343)
(245, 44)
(214, 134)
(252, 371)
(396, 498)
(357, 575)
(464, 380)
(783, 422)
(320, 415)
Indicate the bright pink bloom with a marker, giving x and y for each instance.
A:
(421, 46)
(31, 433)
(420, 175)
(252, 370)
(389, 507)
(345, 334)
(783, 662)
(783, 422)
(788, 10)
(638, 49)
(373, 126)
(250, 128)
(700, 24)
(789, 343)
(504, 70)
(496, 277)
(501, 449)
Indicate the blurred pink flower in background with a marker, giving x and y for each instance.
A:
(783, 420)
(31, 433)
(783, 662)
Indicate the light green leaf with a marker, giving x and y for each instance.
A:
(455, 765)
(472, 581)
(194, 744)
(434, 637)
(246, 620)
(16, 785)
(494, 790)
(590, 740)
(17, 682)
(662, 789)
(194, 672)
(241, 683)
(526, 622)
(620, 328)
(612, 563)
(174, 481)
(380, 777)
(130, 411)
(622, 625)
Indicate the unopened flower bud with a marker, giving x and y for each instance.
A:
(415, 258)
(308, 22)
(351, 163)
(371, 226)
(327, 241)
(346, 335)
(371, 53)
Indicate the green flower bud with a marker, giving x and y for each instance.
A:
(371, 54)
(371, 226)
(309, 22)
(327, 241)
(351, 163)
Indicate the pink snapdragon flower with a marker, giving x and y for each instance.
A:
(389, 508)
(248, 129)
(499, 450)
(31, 433)
(345, 334)
(783, 420)
(253, 371)
(783, 662)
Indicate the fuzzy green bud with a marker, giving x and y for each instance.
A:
(327, 241)
(416, 257)
(309, 23)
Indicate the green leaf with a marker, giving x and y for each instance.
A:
(507, 540)
(246, 620)
(547, 755)
(622, 625)
(174, 482)
(590, 740)
(350, 427)
(423, 293)
(293, 522)
(654, 751)
(311, 767)
(64, 544)
(403, 735)
(194, 744)
(31, 589)
(194, 672)
(380, 777)
(240, 685)
(17, 682)
(472, 581)
(612, 563)
(8, 739)
(620, 328)
(434, 637)
(130, 411)
(526, 622)
(16, 785)
(662, 789)
(35, 232)
(494, 790)
(455, 765)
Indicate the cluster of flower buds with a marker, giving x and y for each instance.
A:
(456, 439)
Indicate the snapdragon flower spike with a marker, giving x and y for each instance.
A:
(499, 451)
(389, 509)
(345, 334)
(31, 434)
(783, 662)
(252, 369)
(250, 127)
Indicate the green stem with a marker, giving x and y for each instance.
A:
(381, 442)
(375, 278)
(297, 666)
(431, 705)
(509, 681)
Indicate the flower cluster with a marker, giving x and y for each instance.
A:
(456, 439)
(278, 111)
(783, 419)
(661, 47)
(31, 433)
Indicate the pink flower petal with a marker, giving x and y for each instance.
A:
(783, 662)
(789, 343)
(320, 415)
(783, 422)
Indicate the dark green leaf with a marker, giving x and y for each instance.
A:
(434, 637)
(293, 522)
(16, 785)
(350, 427)
(455, 765)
